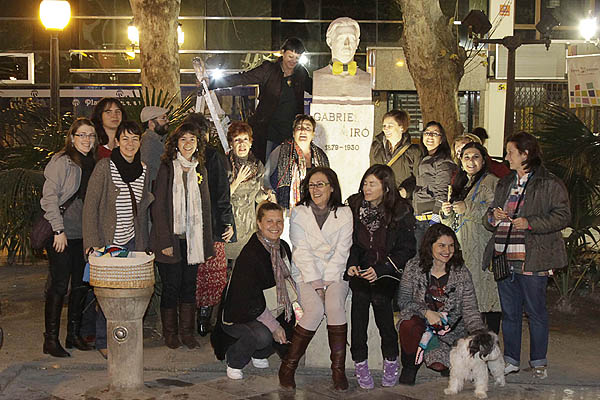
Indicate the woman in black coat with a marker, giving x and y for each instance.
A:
(383, 241)
(252, 322)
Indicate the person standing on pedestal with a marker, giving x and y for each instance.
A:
(394, 148)
(281, 86)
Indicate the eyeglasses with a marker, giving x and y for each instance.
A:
(304, 128)
(84, 136)
(432, 133)
(319, 185)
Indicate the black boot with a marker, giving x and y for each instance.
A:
(74, 339)
(187, 313)
(203, 320)
(408, 375)
(53, 309)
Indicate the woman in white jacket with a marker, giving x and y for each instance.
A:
(321, 235)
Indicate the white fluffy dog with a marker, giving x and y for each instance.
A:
(470, 360)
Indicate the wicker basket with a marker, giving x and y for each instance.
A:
(133, 272)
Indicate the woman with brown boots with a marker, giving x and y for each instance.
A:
(181, 235)
(67, 175)
(321, 235)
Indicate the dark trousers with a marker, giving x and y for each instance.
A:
(178, 280)
(362, 300)
(253, 340)
(66, 266)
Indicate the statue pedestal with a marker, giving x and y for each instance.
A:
(317, 353)
(124, 310)
(345, 133)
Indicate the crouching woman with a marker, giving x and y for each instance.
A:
(247, 315)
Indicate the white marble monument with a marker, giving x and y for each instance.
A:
(343, 108)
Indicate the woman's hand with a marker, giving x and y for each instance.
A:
(228, 234)
(168, 251)
(369, 275)
(521, 223)
(446, 207)
(500, 214)
(459, 207)
(433, 317)
(403, 193)
(279, 336)
(243, 174)
(321, 293)
(271, 196)
(353, 271)
(90, 250)
(60, 242)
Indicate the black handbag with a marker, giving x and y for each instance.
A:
(41, 230)
(500, 266)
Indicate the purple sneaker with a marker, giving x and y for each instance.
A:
(390, 373)
(363, 375)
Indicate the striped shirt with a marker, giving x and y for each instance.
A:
(125, 230)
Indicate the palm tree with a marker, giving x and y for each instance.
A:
(571, 151)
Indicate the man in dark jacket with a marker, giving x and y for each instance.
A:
(282, 84)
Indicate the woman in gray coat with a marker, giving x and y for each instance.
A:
(67, 175)
(472, 195)
(437, 302)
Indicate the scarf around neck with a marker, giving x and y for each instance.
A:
(87, 166)
(237, 163)
(280, 272)
(187, 208)
(129, 171)
(370, 217)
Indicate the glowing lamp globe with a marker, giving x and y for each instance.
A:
(55, 14)
(587, 28)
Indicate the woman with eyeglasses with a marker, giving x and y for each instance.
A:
(321, 235)
(434, 174)
(289, 163)
(106, 116)
(393, 148)
(116, 204)
(67, 176)
(382, 242)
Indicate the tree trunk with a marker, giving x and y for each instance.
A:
(156, 21)
(435, 61)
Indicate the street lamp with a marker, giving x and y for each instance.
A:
(55, 15)
(588, 28)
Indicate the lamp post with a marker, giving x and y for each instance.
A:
(55, 15)
(480, 25)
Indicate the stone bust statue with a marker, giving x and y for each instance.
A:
(341, 81)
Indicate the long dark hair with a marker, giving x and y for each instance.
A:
(443, 149)
(459, 187)
(69, 149)
(173, 139)
(432, 235)
(335, 200)
(97, 117)
(394, 205)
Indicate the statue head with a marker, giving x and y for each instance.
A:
(343, 36)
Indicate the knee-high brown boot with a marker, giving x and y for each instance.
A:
(187, 318)
(170, 331)
(337, 345)
(300, 341)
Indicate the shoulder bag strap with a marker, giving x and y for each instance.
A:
(398, 155)
(516, 210)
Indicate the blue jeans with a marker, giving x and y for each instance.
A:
(518, 291)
